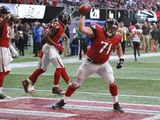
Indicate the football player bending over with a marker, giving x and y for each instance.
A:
(104, 40)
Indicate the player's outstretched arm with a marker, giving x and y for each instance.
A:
(84, 29)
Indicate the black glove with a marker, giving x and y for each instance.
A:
(120, 63)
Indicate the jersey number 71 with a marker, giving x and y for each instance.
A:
(105, 45)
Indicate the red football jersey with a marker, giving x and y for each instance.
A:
(4, 35)
(102, 46)
(60, 27)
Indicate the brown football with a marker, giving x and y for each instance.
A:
(84, 9)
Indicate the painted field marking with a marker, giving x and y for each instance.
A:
(92, 76)
(87, 101)
(36, 113)
(75, 60)
(12, 99)
(156, 117)
(90, 93)
(155, 113)
(97, 108)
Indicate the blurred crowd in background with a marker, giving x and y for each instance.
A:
(129, 4)
(32, 34)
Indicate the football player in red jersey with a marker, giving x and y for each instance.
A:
(104, 40)
(5, 56)
(51, 50)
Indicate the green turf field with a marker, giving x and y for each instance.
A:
(139, 82)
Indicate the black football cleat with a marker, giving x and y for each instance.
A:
(59, 104)
(117, 108)
(3, 96)
(57, 90)
(25, 84)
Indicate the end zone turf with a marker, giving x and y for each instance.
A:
(39, 108)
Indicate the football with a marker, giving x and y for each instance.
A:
(84, 9)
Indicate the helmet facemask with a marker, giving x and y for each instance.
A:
(110, 28)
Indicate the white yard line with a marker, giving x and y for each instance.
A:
(78, 107)
(87, 101)
(95, 108)
(94, 75)
(75, 60)
(98, 108)
(143, 55)
(136, 96)
(36, 113)
(90, 93)
(156, 117)
(75, 100)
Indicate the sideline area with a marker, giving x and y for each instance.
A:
(32, 108)
(75, 60)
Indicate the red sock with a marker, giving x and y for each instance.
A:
(36, 74)
(65, 76)
(113, 89)
(70, 90)
(57, 75)
(6, 73)
(1, 78)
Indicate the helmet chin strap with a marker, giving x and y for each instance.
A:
(109, 35)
